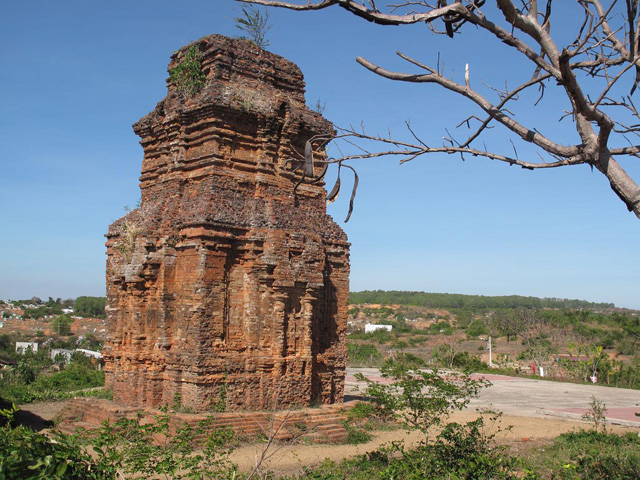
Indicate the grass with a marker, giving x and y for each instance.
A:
(588, 454)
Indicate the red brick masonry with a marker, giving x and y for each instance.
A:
(224, 286)
(323, 424)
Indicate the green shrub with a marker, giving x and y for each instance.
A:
(90, 306)
(587, 455)
(459, 452)
(410, 360)
(418, 398)
(356, 435)
(440, 328)
(78, 375)
(363, 355)
(477, 328)
(187, 76)
(62, 325)
(132, 446)
(129, 448)
(25, 454)
(255, 23)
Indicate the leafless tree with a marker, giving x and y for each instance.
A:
(447, 351)
(504, 323)
(596, 72)
(538, 336)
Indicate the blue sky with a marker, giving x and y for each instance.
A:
(77, 74)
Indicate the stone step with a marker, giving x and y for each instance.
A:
(72, 428)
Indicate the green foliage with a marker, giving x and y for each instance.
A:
(469, 302)
(364, 418)
(421, 399)
(90, 342)
(187, 76)
(410, 360)
(399, 344)
(627, 376)
(477, 328)
(459, 452)
(447, 356)
(75, 376)
(588, 455)
(221, 402)
(356, 435)
(353, 311)
(255, 23)
(62, 325)
(7, 345)
(29, 366)
(587, 360)
(129, 448)
(379, 336)
(539, 349)
(29, 382)
(383, 312)
(440, 328)
(362, 411)
(145, 447)
(25, 454)
(597, 415)
(89, 306)
(399, 326)
(363, 355)
(42, 311)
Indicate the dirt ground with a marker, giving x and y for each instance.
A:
(525, 432)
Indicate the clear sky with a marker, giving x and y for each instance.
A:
(75, 75)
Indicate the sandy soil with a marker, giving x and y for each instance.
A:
(525, 433)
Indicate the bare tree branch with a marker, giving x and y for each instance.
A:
(588, 73)
(497, 114)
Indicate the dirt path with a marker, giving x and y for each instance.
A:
(526, 431)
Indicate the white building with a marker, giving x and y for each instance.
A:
(90, 353)
(22, 347)
(369, 327)
(61, 351)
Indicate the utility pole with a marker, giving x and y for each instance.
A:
(489, 342)
(490, 362)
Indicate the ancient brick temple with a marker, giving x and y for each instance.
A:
(227, 289)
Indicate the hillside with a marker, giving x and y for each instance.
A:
(565, 339)
(455, 300)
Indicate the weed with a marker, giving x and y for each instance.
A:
(597, 415)
(187, 76)
(589, 454)
(421, 399)
(356, 436)
(221, 403)
(255, 23)
(128, 235)
(320, 107)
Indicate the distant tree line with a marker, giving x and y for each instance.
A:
(90, 306)
(470, 302)
(82, 306)
(42, 308)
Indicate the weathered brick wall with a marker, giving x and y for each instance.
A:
(224, 288)
(323, 424)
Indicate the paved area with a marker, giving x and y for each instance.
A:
(536, 398)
